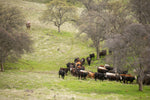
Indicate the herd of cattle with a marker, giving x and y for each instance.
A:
(104, 72)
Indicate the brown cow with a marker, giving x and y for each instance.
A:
(28, 25)
(91, 75)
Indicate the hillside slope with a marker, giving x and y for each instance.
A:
(51, 49)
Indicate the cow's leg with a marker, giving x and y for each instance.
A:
(63, 76)
(95, 79)
(78, 76)
(59, 75)
(123, 81)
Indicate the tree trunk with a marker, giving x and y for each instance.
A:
(2, 67)
(58, 28)
(97, 51)
(140, 12)
(140, 85)
(141, 77)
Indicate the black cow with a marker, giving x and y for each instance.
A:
(74, 71)
(100, 76)
(62, 73)
(108, 67)
(70, 65)
(113, 76)
(65, 70)
(127, 77)
(83, 61)
(102, 53)
(110, 52)
(146, 80)
(88, 60)
(82, 74)
(76, 60)
(92, 55)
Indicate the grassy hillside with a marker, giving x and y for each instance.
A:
(51, 49)
(35, 75)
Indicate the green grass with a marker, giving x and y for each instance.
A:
(126, 91)
(46, 82)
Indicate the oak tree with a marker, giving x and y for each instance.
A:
(59, 12)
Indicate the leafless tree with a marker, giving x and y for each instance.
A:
(59, 12)
(94, 22)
